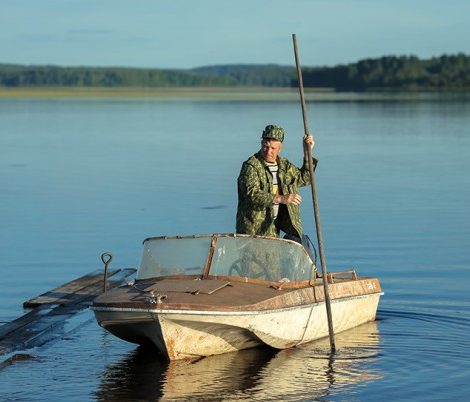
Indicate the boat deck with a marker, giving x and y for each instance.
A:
(229, 293)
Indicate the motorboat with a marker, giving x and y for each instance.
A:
(201, 295)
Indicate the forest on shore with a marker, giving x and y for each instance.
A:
(388, 73)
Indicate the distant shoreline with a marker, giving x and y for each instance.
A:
(221, 94)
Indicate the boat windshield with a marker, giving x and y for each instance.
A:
(245, 256)
(174, 256)
(261, 258)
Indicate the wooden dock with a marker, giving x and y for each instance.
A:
(50, 311)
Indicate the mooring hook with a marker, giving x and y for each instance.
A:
(106, 258)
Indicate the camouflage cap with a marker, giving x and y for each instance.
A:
(273, 132)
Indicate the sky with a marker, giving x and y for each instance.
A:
(194, 33)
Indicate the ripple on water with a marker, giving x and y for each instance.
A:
(426, 352)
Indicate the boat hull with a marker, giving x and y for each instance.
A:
(182, 334)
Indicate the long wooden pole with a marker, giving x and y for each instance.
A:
(308, 156)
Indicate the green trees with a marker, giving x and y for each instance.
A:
(394, 73)
(404, 73)
(269, 75)
(30, 76)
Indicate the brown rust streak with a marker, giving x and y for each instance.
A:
(349, 288)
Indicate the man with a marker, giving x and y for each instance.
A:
(268, 201)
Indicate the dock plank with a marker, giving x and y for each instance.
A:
(59, 295)
(12, 326)
(36, 327)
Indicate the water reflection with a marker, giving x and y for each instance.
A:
(309, 372)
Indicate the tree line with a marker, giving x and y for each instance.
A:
(447, 72)
(55, 76)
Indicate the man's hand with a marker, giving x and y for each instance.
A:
(309, 141)
(295, 199)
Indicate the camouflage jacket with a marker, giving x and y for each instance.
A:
(255, 213)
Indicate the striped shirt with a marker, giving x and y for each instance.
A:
(273, 168)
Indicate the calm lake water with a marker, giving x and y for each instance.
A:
(83, 176)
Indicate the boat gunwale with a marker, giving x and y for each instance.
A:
(230, 312)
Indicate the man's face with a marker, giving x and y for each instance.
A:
(270, 149)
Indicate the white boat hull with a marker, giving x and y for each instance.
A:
(182, 334)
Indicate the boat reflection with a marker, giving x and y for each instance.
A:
(306, 372)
